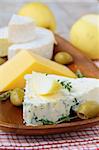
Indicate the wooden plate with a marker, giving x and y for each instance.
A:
(11, 121)
(11, 116)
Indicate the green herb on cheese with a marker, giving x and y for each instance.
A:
(65, 119)
(46, 74)
(46, 122)
(66, 85)
(76, 101)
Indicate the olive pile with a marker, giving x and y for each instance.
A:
(16, 96)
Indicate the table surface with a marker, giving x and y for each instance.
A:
(66, 12)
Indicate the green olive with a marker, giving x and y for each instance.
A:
(63, 58)
(87, 110)
(2, 61)
(4, 96)
(17, 96)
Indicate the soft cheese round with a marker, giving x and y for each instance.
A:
(21, 29)
(43, 44)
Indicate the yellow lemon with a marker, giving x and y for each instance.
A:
(85, 35)
(40, 13)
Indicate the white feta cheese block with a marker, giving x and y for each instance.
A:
(21, 29)
(43, 44)
(38, 110)
(4, 43)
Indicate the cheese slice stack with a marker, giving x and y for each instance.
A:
(21, 29)
(43, 44)
(13, 71)
(4, 43)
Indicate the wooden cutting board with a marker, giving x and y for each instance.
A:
(11, 118)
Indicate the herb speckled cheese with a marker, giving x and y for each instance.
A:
(38, 110)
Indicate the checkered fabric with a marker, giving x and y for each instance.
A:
(86, 139)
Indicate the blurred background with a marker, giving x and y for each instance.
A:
(66, 11)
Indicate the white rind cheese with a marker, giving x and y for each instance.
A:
(37, 109)
(43, 44)
(21, 29)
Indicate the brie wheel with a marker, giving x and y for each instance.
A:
(21, 29)
(42, 45)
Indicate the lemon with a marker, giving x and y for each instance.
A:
(43, 86)
(40, 13)
(84, 35)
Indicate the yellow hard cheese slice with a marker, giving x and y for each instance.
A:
(13, 71)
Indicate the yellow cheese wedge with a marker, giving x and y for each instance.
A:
(13, 71)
